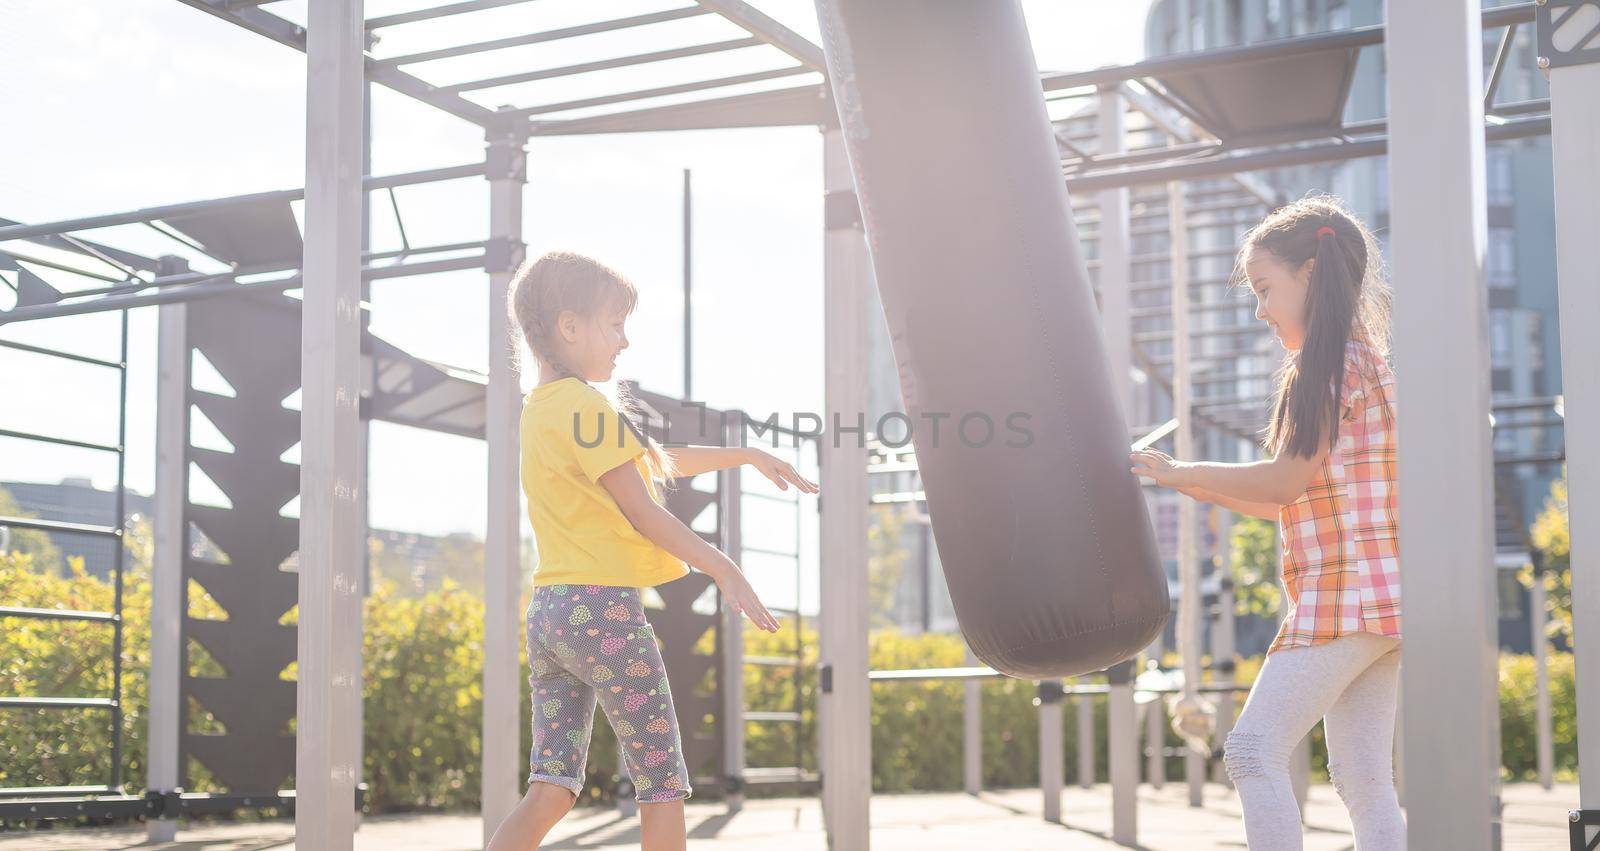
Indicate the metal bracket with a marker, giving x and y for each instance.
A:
(503, 254)
(1050, 691)
(506, 159)
(1577, 820)
(1557, 16)
(825, 676)
(841, 210)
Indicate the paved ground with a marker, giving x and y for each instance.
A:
(1534, 819)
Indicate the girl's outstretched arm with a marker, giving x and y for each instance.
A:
(1263, 510)
(655, 522)
(694, 460)
(1278, 481)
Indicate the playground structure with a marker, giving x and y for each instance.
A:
(1435, 134)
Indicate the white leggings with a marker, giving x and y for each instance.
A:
(1351, 683)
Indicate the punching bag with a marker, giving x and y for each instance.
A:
(1046, 544)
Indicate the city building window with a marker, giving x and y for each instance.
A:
(1500, 339)
(1497, 165)
(1502, 270)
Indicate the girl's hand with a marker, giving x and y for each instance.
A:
(781, 472)
(1162, 468)
(736, 592)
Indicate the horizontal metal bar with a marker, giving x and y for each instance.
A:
(681, 88)
(438, 12)
(781, 553)
(56, 791)
(62, 267)
(214, 287)
(432, 175)
(1156, 434)
(772, 717)
(603, 64)
(59, 441)
(58, 526)
(1224, 57)
(773, 661)
(966, 673)
(1218, 331)
(765, 776)
(291, 34)
(1280, 158)
(1552, 457)
(56, 353)
(547, 35)
(57, 614)
(771, 497)
(57, 703)
(758, 24)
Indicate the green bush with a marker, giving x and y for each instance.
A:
(423, 658)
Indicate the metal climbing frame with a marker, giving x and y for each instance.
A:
(740, 774)
(115, 532)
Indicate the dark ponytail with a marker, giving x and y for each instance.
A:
(1307, 404)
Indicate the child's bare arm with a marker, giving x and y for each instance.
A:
(653, 521)
(1263, 510)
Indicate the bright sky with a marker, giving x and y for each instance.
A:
(119, 105)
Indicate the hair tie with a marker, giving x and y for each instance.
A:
(1325, 231)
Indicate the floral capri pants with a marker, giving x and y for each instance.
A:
(589, 643)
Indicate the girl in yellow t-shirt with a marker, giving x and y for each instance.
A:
(602, 536)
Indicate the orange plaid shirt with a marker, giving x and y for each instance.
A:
(1341, 566)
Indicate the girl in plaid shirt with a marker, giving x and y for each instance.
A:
(1330, 483)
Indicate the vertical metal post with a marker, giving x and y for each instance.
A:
(1574, 69)
(688, 280)
(1122, 738)
(972, 732)
(330, 521)
(1189, 621)
(1434, 50)
(1222, 642)
(1112, 238)
(502, 766)
(364, 443)
(163, 773)
(1122, 748)
(733, 730)
(1155, 730)
(1543, 747)
(844, 700)
(1083, 709)
(1052, 748)
(119, 554)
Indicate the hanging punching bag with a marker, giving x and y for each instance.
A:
(1046, 544)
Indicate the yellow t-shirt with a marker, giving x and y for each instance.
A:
(583, 538)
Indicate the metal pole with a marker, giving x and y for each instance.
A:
(972, 732)
(507, 172)
(1222, 642)
(688, 280)
(1122, 747)
(1052, 748)
(166, 568)
(1083, 709)
(1122, 737)
(1544, 749)
(1575, 124)
(844, 703)
(1155, 731)
(1439, 226)
(330, 520)
(1189, 622)
(733, 731)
